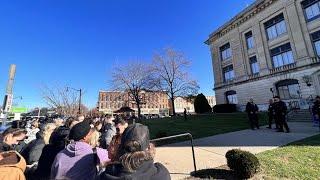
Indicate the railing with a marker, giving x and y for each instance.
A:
(253, 76)
(181, 135)
(283, 68)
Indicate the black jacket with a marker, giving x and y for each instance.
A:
(271, 110)
(280, 109)
(147, 171)
(33, 150)
(316, 108)
(251, 108)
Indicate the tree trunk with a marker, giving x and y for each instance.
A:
(173, 108)
(139, 110)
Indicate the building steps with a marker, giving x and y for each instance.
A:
(301, 115)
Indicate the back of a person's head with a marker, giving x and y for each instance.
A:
(13, 131)
(94, 139)
(59, 136)
(135, 147)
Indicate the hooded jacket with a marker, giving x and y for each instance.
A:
(147, 171)
(77, 161)
(14, 166)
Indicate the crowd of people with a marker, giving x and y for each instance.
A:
(79, 148)
(277, 112)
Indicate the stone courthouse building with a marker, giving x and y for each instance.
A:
(270, 48)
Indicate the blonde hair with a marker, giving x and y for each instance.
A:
(94, 140)
(48, 130)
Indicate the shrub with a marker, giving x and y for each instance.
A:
(224, 108)
(201, 104)
(161, 134)
(243, 163)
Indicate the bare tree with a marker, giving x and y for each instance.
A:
(133, 78)
(170, 68)
(63, 101)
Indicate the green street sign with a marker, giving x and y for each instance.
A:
(19, 109)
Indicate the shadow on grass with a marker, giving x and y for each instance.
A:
(311, 141)
(217, 173)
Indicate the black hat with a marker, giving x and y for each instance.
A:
(278, 97)
(79, 131)
(317, 97)
(119, 121)
(136, 132)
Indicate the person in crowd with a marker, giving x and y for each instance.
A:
(33, 150)
(136, 158)
(252, 110)
(57, 143)
(271, 114)
(280, 109)
(121, 125)
(81, 118)
(316, 111)
(94, 143)
(32, 131)
(58, 121)
(70, 122)
(11, 137)
(98, 125)
(78, 160)
(107, 132)
(12, 166)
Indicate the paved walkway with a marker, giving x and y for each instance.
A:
(210, 151)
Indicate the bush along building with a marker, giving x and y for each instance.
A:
(270, 48)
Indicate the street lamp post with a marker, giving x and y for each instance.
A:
(80, 95)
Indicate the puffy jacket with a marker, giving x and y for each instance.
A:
(12, 166)
(147, 171)
(33, 151)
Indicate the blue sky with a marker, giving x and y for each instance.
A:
(76, 42)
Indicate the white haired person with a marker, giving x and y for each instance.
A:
(136, 158)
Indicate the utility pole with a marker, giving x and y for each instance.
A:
(80, 96)
(8, 98)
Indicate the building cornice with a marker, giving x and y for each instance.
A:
(242, 17)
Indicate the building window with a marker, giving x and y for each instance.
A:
(228, 73)
(231, 97)
(311, 9)
(316, 41)
(282, 55)
(254, 65)
(275, 27)
(288, 89)
(249, 39)
(225, 51)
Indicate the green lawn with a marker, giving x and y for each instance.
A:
(200, 125)
(298, 160)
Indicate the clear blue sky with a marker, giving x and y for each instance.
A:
(76, 42)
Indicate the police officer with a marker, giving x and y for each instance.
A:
(271, 114)
(252, 110)
(280, 109)
(316, 109)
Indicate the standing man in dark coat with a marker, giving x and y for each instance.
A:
(280, 109)
(252, 110)
(271, 114)
(316, 109)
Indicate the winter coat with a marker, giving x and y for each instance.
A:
(33, 151)
(316, 108)
(49, 152)
(252, 109)
(77, 161)
(147, 171)
(12, 166)
(280, 109)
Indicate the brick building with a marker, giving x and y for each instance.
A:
(270, 48)
(154, 102)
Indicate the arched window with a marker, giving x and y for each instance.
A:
(231, 97)
(288, 89)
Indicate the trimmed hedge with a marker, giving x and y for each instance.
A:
(243, 163)
(225, 108)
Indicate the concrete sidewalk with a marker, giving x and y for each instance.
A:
(210, 151)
